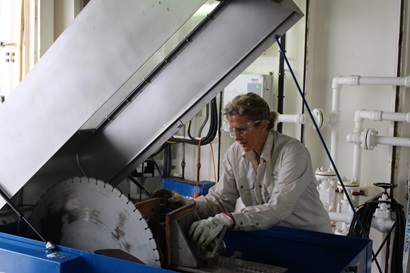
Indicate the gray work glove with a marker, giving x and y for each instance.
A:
(205, 231)
(171, 199)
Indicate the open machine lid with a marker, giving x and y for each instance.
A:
(103, 52)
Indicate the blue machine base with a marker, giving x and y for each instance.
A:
(18, 254)
(302, 251)
(297, 250)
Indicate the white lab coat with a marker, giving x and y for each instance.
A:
(281, 190)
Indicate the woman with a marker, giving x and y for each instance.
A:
(271, 172)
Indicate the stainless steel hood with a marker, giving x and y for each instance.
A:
(101, 55)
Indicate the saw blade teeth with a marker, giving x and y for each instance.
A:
(92, 180)
(89, 214)
(75, 179)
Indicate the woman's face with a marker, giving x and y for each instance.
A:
(250, 135)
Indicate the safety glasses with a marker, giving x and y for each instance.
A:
(242, 129)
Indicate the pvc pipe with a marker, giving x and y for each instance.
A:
(298, 119)
(370, 115)
(357, 162)
(353, 138)
(377, 115)
(359, 140)
(357, 151)
(333, 140)
(400, 117)
(340, 217)
(392, 141)
(322, 119)
(355, 80)
(393, 81)
(371, 141)
(357, 137)
(335, 110)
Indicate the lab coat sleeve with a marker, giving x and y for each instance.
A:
(295, 174)
(222, 196)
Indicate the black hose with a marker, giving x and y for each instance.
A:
(281, 83)
(156, 166)
(167, 161)
(166, 147)
(365, 214)
(213, 129)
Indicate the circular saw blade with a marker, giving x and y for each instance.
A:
(88, 214)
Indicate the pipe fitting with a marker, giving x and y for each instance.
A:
(354, 138)
(318, 115)
(369, 139)
(335, 84)
(408, 117)
(382, 224)
(355, 80)
(297, 119)
(358, 115)
(350, 80)
(407, 81)
(376, 115)
(340, 217)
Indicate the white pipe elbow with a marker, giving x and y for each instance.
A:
(357, 115)
(335, 83)
(358, 121)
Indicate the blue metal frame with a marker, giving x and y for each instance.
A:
(301, 250)
(297, 250)
(186, 187)
(18, 254)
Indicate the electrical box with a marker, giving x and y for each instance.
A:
(248, 83)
